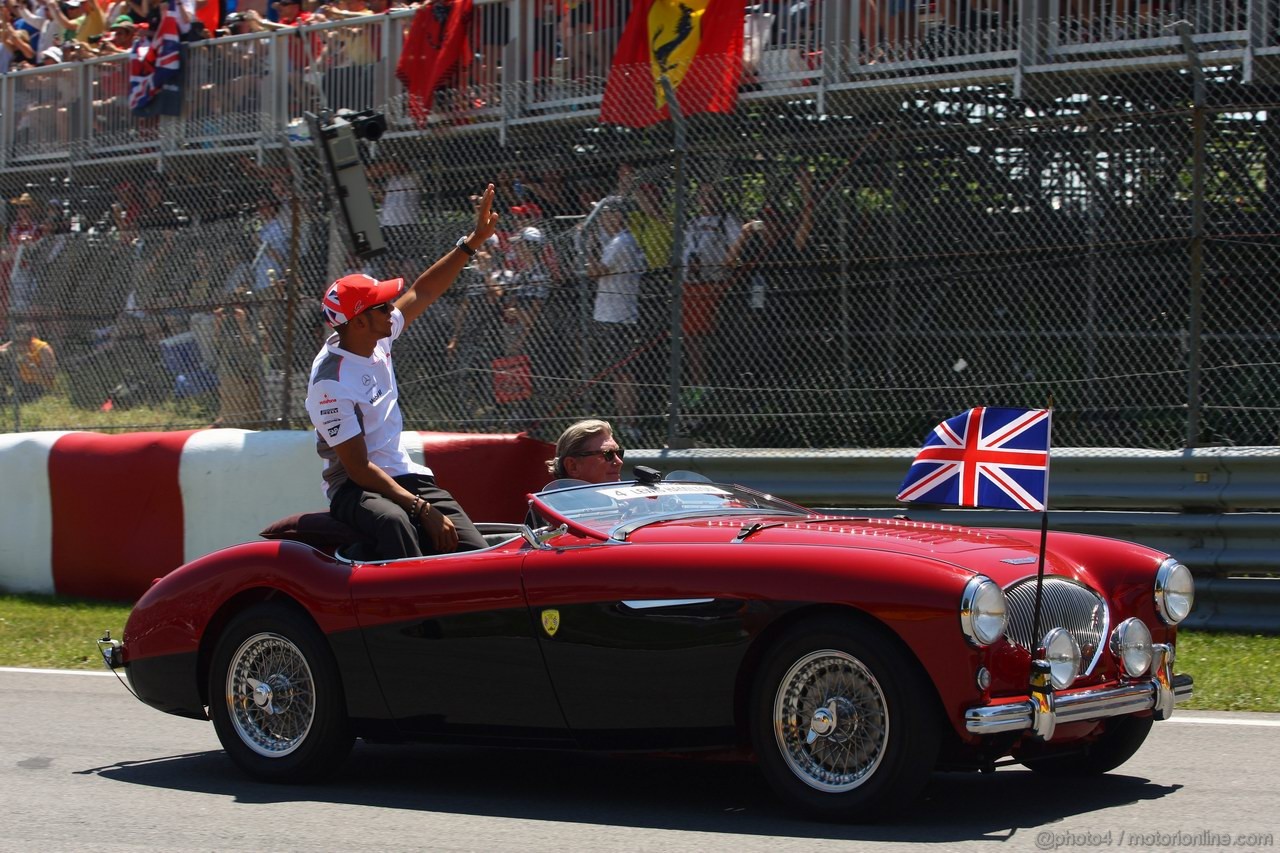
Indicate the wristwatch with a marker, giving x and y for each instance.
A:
(462, 244)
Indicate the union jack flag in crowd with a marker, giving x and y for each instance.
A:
(996, 458)
(157, 60)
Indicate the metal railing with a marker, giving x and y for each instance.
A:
(530, 62)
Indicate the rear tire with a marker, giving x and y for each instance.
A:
(276, 697)
(1118, 742)
(843, 723)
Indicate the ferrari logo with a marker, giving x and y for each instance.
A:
(551, 622)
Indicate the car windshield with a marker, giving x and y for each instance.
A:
(605, 507)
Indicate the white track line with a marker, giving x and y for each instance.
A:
(1220, 721)
(55, 671)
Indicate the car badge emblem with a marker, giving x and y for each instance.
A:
(551, 622)
(1019, 561)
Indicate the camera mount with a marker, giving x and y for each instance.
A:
(336, 135)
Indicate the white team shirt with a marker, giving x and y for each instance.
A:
(349, 395)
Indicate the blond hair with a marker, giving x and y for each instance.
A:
(572, 440)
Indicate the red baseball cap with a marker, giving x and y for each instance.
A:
(356, 293)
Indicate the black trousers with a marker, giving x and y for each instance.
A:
(388, 525)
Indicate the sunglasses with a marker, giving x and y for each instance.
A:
(384, 307)
(609, 455)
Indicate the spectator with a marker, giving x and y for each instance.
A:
(618, 273)
(18, 259)
(577, 30)
(550, 194)
(477, 328)
(238, 364)
(650, 222)
(274, 235)
(15, 44)
(399, 213)
(495, 32)
(530, 284)
(763, 257)
(119, 37)
(706, 248)
(36, 363)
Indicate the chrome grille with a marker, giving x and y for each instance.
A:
(1065, 604)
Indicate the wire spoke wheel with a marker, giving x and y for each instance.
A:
(844, 722)
(270, 695)
(831, 721)
(282, 716)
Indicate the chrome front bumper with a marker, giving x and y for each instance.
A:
(1158, 692)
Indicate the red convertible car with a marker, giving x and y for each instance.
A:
(851, 656)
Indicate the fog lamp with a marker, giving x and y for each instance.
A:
(1063, 654)
(1131, 645)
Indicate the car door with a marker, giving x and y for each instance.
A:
(643, 650)
(454, 650)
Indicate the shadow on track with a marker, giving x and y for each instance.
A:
(667, 793)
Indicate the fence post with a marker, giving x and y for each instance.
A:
(1034, 39)
(1196, 265)
(677, 264)
(13, 358)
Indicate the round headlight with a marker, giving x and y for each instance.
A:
(984, 612)
(1175, 591)
(1063, 655)
(1131, 645)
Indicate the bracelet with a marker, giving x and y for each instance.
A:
(413, 510)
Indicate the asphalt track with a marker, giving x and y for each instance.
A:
(84, 766)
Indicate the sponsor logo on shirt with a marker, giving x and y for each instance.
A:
(377, 393)
(333, 420)
(367, 380)
(333, 430)
(326, 400)
(332, 411)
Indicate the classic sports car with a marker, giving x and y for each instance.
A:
(852, 656)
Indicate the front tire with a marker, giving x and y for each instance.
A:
(276, 697)
(1118, 742)
(843, 723)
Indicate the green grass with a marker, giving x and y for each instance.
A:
(46, 632)
(1233, 672)
(55, 411)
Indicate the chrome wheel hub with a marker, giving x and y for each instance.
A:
(270, 695)
(831, 721)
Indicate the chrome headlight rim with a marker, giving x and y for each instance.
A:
(1131, 645)
(1063, 654)
(1175, 591)
(984, 611)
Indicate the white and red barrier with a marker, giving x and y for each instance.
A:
(99, 516)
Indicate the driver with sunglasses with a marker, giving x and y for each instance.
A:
(587, 451)
(352, 398)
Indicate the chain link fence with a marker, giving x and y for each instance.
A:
(835, 271)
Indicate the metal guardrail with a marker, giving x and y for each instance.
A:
(1208, 479)
(531, 65)
(1215, 509)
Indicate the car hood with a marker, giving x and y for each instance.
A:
(1004, 556)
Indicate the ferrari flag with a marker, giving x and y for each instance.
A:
(996, 458)
(697, 44)
(435, 47)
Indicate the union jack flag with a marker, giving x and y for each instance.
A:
(156, 61)
(996, 458)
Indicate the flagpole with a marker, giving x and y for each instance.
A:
(1044, 540)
